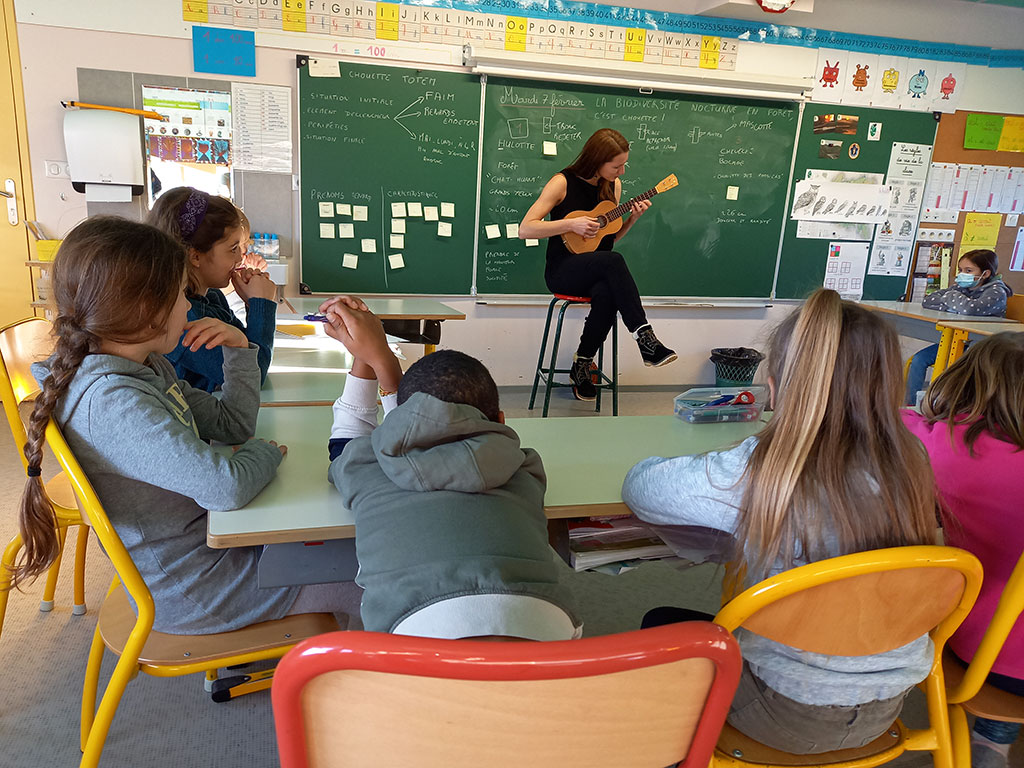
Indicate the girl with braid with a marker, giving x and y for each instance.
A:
(142, 435)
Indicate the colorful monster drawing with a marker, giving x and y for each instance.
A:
(860, 79)
(890, 79)
(918, 85)
(948, 85)
(804, 199)
(830, 75)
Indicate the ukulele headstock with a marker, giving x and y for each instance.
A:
(667, 183)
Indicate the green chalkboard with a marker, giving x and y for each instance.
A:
(802, 266)
(694, 241)
(374, 137)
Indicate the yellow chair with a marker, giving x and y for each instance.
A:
(140, 649)
(967, 690)
(1015, 308)
(858, 605)
(21, 344)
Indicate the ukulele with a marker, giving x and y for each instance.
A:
(609, 217)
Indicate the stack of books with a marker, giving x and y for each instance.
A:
(597, 541)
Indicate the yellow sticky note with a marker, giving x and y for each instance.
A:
(293, 15)
(709, 50)
(635, 41)
(326, 230)
(415, 209)
(981, 230)
(550, 148)
(387, 21)
(448, 210)
(492, 231)
(1012, 137)
(344, 209)
(398, 226)
(531, 242)
(515, 33)
(360, 212)
(326, 210)
(396, 261)
(444, 229)
(512, 231)
(195, 10)
(398, 209)
(46, 249)
(347, 229)
(350, 261)
(430, 213)
(369, 245)
(397, 241)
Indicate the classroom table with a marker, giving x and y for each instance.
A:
(964, 329)
(305, 371)
(917, 322)
(415, 320)
(300, 515)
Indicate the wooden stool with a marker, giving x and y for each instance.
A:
(548, 374)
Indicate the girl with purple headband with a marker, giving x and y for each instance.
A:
(211, 230)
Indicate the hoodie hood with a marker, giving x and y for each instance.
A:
(93, 368)
(427, 444)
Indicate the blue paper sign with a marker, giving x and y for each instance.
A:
(224, 51)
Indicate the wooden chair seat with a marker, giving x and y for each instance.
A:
(989, 702)
(117, 619)
(886, 747)
(60, 492)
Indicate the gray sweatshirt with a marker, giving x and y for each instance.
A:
(450, 528)
(706, 490)
(985, 300)
(139, 434)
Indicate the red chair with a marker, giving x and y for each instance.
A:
(601, 380)
(653, 697)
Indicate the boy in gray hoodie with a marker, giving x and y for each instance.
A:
(450, 528)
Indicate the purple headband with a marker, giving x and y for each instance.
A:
(192, 213)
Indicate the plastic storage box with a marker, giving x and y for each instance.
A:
(692, 405)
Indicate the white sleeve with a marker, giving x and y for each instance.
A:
(355, 412)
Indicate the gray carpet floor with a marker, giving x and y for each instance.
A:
(172, 722)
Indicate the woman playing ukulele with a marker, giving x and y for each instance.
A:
(602, 275)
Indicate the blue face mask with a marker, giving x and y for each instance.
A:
(964, 280)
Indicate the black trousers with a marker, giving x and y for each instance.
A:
(605, 278)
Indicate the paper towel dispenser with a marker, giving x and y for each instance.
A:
(104, 150)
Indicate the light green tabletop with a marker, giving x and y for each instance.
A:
(915, 311)
(586, 459)
(306, 371)
(388, 309)
(984, 328)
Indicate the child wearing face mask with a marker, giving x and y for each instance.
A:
(978, 290)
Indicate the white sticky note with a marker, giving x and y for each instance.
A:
(398, 209)
(430, 213)
(327, 230)
(324, 68)
(532, 242)
(398, 226)
(347, 229)
(550, 148)
(492, 231)
(1011, 219)
(448, 210)
(369, 245)
(512, 231)
(415, 209)
(397, 241)
(444, 229)
(343, 209)
(359, 212)
(326, 210)
(732, 193)
(350, 261)
(396, 261)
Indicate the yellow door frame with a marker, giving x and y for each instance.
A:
(16, 295)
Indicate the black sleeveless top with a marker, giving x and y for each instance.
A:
(579, 196)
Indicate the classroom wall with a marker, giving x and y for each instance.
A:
(505, 337)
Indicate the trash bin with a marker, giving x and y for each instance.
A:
(735, 366)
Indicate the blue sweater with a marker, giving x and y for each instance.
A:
(203, 369)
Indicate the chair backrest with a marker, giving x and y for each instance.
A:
(1015, 308)
(1009, 609)
(93, 511)
(650, 697)
(862, 604)
(21, 344)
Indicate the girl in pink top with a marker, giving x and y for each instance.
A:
(973, 428)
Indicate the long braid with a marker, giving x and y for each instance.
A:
(37, 520)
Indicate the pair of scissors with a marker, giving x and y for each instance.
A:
(743, 398)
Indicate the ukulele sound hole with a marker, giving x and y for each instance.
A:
(602, 221)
